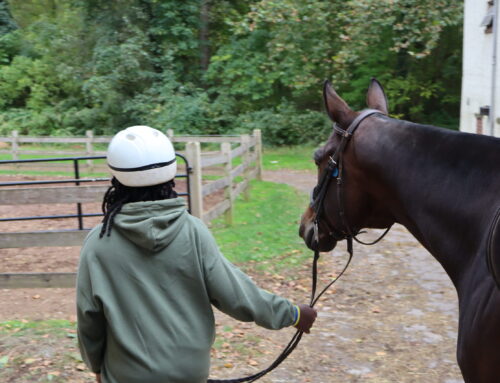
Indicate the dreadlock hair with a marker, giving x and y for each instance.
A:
(118, 195)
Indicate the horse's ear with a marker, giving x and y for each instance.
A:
(336, 108)
(376, 98)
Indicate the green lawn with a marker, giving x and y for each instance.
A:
(289, 157)
(265, 228)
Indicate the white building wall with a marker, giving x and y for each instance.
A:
(478, 69)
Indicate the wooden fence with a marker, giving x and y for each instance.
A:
(225, 179)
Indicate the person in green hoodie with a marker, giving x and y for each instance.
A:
(150, 273)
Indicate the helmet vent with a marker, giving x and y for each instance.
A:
(131, 137)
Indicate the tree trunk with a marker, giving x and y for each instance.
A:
(204, 34)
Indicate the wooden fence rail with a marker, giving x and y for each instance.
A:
(15, 143)
(234, 181)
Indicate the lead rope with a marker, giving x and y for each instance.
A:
(298, 335)
(321, 193)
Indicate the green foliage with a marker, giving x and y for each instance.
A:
(413, 47)
(285, 125)
(7, 24)
(171, 105)
(67, 66)
(280, 49)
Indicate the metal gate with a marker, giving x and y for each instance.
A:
(76, 180)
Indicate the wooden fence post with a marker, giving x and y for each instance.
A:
(15, 145)
(258, 150)
(193, 155)
(89, 150)
(245, 142)
(225, 148)
(170, 134)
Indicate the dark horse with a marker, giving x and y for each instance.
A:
(443, 186)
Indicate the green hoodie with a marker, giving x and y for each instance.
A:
(145, 296)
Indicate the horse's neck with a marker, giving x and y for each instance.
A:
(436, 180)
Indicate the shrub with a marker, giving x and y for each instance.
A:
(285, 125)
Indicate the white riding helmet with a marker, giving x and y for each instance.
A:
(141, 156)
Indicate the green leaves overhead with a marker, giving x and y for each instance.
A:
(222, 66)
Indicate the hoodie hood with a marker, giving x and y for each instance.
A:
(151, 225)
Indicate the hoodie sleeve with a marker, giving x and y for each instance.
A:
(234, 293)
(91, 323)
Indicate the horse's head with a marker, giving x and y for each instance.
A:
(342, 202)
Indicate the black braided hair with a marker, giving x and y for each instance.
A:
(118, 195)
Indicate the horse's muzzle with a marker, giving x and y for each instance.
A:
(322, 243)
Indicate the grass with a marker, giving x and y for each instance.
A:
(41, 351)
(290, 157)
(264, 227)
(20, 327)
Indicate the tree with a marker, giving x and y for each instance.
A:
(412, 46)
(7, 23)
(222, 66)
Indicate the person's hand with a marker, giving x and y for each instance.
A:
(307, 317)
(98, 378)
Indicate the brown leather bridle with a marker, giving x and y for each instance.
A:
(335, 170)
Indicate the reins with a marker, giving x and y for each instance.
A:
(334, 169)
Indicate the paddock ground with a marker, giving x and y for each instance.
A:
(391, 318)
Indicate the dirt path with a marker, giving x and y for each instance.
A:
(391, 318)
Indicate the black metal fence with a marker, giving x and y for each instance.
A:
(76, 180)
